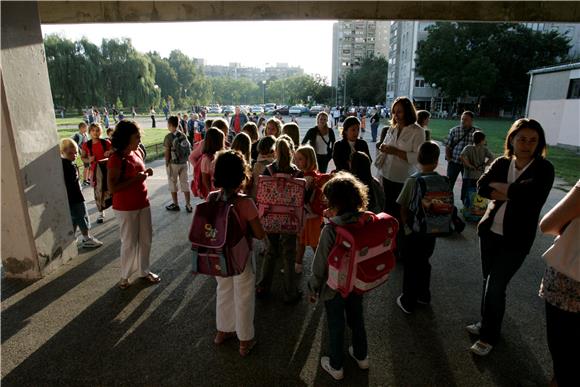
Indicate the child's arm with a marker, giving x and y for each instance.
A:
(320, 262)
(567, 209)
(466, 162)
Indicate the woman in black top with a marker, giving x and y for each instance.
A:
(322, 139)
(518, 185)
(349, 144)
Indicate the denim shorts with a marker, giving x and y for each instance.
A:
(80, 218)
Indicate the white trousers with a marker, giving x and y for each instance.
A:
(136, 236)
(235, 303)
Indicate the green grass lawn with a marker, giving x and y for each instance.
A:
(150, 136)
(566, 162)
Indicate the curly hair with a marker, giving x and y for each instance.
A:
(231, 170)
(346, 193)
(121, 137)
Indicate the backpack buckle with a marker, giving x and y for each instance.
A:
(387, 242)
(364, 251)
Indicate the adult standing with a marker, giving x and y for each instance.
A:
(238, 120)
(400, 144)
(518, 185)
(322, 139)
(459, 137)
(152, 114)
(336, 116)
(560, 291)
(126, 180)
(375, 120)
(350, 143)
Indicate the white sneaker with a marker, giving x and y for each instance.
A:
(91, 242)
(325, 364)
(362, 364)
(400, 304)
(480, 348)
(474, 329)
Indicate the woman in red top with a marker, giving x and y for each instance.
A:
(126, 180)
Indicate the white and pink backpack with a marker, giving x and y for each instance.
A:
(362, 256)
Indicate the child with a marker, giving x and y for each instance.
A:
(80, 138)
(475, 158)
(347, 198)
(251, 130)
(293, 131)
(418, 247)
(243, 144)
(109, 133)
(213, 143)
(273, 127)
(235, 295)
(360, 166)
(76, 201)
(93, 151)
(266, 156)
(281, 246)
(305, 160)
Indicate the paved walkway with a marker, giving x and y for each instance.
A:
(74, 327)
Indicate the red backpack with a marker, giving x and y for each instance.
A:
(362, 255)
(318, 202)
(221, 247)
(280, 199)
(197, 188)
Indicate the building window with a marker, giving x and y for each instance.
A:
(419, 83)
(574, 89)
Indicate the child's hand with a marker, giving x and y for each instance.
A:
(141, 176)
(91, 159)
(313, 298)
(149, 171)
(329, 213)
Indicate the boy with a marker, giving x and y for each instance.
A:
(417, 246)
(475, 158)
(176, 164)
(76, 201)
(93, 151)
(80, 138)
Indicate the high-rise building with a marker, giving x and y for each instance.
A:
(402, 78)
(354, 40)
(569, 30)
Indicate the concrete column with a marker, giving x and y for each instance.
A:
(37, 232)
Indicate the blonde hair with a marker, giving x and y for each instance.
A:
(276, 123)
(66, 143)
(308, 152)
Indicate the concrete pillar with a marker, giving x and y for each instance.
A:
(37, 232)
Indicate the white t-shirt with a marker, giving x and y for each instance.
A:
(410, 139)
(513, 175)
(321, 147)
(336, 113)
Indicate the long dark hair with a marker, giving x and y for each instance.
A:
(121, 137)
(526, 123)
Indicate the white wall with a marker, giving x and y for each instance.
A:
(560, 119)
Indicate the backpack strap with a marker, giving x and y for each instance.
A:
(90, 146)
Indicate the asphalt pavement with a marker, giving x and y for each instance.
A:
(75, 327)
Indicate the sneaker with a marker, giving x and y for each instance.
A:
(400, 304)
(325, 364)
(362, 364)
(474, 329)
(172, 207)
(188, 208)
(481, 348)
(101, 218)
(91, 242)
(298, 268)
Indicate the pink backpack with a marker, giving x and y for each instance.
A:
(221, 247)
(195, 160)
(280, 200)
(362, 255)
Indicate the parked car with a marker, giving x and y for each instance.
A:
(314, 110)
(269, 107)
(256, 109)
(296, 110)
(283, 110)
(229, 109)
(214, 109)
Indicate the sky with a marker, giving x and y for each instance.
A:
(307, 44)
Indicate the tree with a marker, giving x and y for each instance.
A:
(366, 85)
(486, 59)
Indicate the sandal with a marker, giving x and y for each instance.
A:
(221, 337)
(123, 284)
(246, 346)
(152, 278)
(188, 208)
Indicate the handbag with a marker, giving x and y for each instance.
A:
(380, 159)
(564, 254)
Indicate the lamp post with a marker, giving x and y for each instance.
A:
(264, 92)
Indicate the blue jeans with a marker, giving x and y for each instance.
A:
(453, 170)
(499, 262)
(79, 216)
(374, 129)
(336, 310)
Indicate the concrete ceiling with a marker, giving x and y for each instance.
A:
(55, 12)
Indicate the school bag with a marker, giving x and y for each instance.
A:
(362, 255)
(195, 184)
(317, 200)
(180, 148)
(103, 197)
(475, 206)
(220, 246)
(280, 199)
(432, 205)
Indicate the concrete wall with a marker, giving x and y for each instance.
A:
(145, 11)
(36, 226)
(550, 86)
